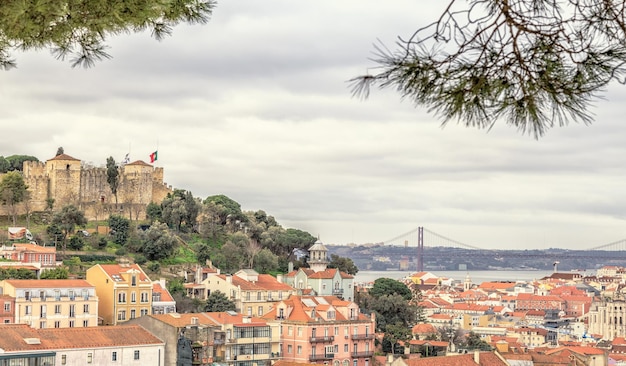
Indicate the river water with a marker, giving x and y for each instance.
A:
(476, 277)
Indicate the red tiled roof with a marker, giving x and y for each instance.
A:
(63, 157)
(13, 336)
(117, 269)
(165, 294)
(182, 320)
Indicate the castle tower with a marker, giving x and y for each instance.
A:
(137, 183)
(64, 174)
(318, 257)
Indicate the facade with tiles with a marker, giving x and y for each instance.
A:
(124, 290)
(324, 330)
(53, 303)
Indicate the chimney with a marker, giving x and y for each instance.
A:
(229, 278)
(290, 267)
(477, 356)
(279, 277)
(389, 359)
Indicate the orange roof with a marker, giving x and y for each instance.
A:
(117, 269)
(165, 294)
(423, 328)
(63, 157)
(48, 283)
(265, 282)
(223, 317)
(34, 247)
(182, 320)
(13, 337)
(496, 285)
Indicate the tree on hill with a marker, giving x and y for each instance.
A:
(113, 176)
(66, 221)
(230, 211)
(13, 190)
(120, 229)
(17, 162)
(531, 64)
(159, 242)
(179, 210)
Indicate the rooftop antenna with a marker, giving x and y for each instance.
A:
(555, 265)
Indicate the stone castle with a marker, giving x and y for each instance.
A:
(64, 179)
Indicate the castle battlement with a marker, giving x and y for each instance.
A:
(69, 182)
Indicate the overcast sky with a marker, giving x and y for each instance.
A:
(255, 105)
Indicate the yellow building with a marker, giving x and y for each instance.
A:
(53, 303)
(124, 290)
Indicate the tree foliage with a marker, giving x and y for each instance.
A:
(58, 273)
(60, 151)
(78, 29)
(13, 190)
(159, 243)
(534, 64)
(343, 264)
(66, 221)
(120, 229)
(14, 162)
(179, 210)
(217, 301)
(387, 286)
(113, 176)
(16, 274)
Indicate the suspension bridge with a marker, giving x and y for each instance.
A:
(423, 238)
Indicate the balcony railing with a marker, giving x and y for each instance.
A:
(321, 339)
(325, 356)
(337, 291)
(362, 354)
(357, 337)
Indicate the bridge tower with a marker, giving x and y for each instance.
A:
(420, 249)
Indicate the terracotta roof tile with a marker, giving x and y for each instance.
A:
(165, 294)
(63, 157)
(182, 320)
(49, 283)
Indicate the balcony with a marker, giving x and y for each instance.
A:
(321, 339)
(337, 291)
(326, 356)
(362, 354)
(357, 337)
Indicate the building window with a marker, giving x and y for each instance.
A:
(42, 295)
(7, 307)
(57, 309)
(133, 280)
(121, 315)
(290, 330)
(71, 324)
(85, 323)
(355, 362)
(249, 310)
(345, 347)
(27, 295)
(144, 297)
(114, 356)
(71, 295)
(144, 312)
(136, 356)
(63, 359)
(42, 325)
(133, 297)
(28, 310)
(289, 348)
(89, 357)
(299, 350)
(248, 295)
(43, 311)
(72, 311)
(260, 313)
(85, 295)
(85, 308)
(258, 295)
(57, 324)
(57, 295)
(121, 297)
(133, 314)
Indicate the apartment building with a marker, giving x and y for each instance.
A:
(248, 341)
(53, 303)
(254, 294)
(162, 300)
(30, 253)
(124, 291)
(191, 337)
(324, 330)
(7, 309)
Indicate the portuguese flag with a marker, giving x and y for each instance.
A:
(153, 156)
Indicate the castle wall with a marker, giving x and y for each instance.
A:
(87, 188)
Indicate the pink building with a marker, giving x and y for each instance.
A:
(324, 330)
